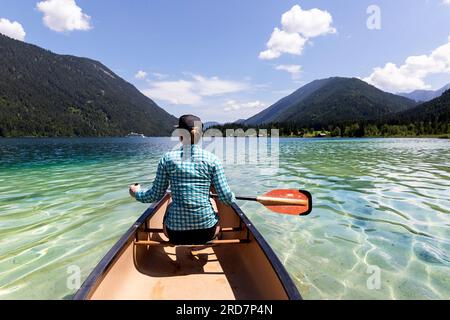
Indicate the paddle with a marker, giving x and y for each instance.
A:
(284, 201)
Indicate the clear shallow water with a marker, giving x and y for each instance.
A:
(378, 202)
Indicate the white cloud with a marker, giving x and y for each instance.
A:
(412, 73)
(12, 29)
(446, 2)
(282, 42)
(215, 86)
(63, 15)
(298, 26)
(141, 75)
(232, 105)
(309, 23)
(174, 92)
(294, 69)
(188, 92)
(158, 75)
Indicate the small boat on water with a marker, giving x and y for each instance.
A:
(144, 265)
(134, 135)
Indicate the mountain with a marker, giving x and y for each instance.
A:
(276, 110)
(436, 110)
(332, 100)
(46, 94)
(425, 95)
(210, 124)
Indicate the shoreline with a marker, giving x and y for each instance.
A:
(443, 137)
(437, 136)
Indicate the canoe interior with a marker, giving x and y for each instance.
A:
(163, 272)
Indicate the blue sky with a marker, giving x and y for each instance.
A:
(205, 57)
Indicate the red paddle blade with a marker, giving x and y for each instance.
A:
(291, 194)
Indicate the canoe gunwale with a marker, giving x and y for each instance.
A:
(280, 270)
(98, 273)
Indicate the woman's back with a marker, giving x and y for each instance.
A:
(190, 172)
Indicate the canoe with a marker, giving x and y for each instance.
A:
(143, 265)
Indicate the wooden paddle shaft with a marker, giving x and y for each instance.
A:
(272, 201)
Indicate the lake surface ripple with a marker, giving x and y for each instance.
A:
(381, 208)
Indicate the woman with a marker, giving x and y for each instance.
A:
(190, 172)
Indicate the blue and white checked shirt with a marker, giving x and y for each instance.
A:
(190, 171)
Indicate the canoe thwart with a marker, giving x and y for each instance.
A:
(209, 243)
(230, 229)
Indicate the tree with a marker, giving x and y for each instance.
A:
(336, 132)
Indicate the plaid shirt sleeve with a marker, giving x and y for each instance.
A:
(220, 183)
(159, 187)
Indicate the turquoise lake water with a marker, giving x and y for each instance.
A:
(378, 203)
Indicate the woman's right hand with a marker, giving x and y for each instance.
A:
(133, 189)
